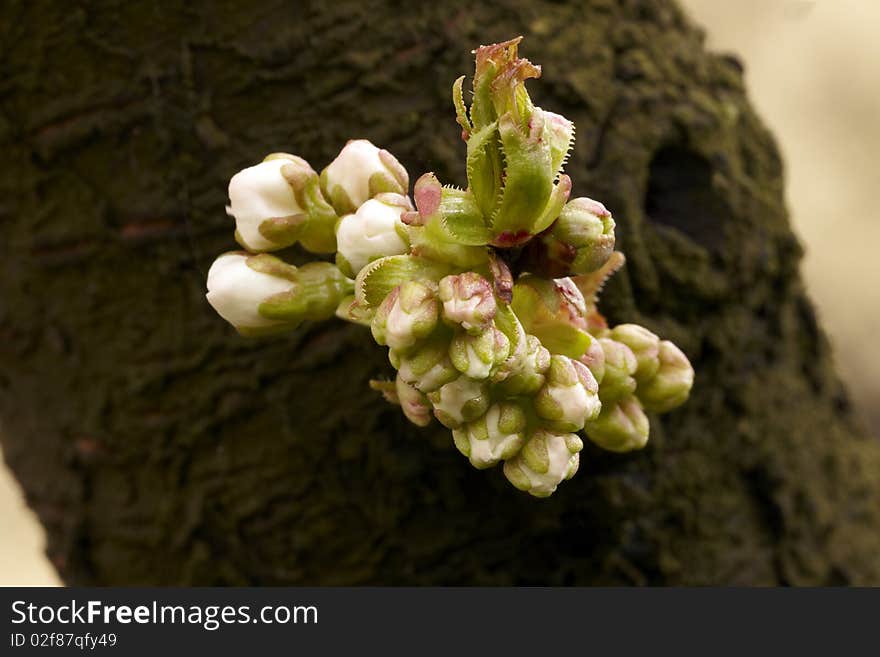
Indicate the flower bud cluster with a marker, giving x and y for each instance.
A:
(485, 297)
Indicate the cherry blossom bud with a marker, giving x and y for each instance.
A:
(360, 172)
(374, 231)
(427, 366)
(620, 427)
(497, 436)
(477, 355)
(547, 459)
(407, 314)
(260, 294)
(414, 403)
(644, 345)
(620, 366)
(569, 396)
(468, 299)
(672, 384)
(594, 359)
(523, 374)
(268, 215)
(459, 401)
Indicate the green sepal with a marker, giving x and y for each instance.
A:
(317, 290)
(461, 115)
(484, 167)
(378, 278)
(461, 219)
(528, 180)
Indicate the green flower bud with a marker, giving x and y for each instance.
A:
(569, 396)
(594, 359)
(406, 315)
(427, 366)
(644, 345)
(497, 436)
(523, 373)
(459, 401)
(277, 203)
(374, 231)
(261, 294)
(360, 172)
(468, 299)
(544, 462)
(620, 366)
(672, 384)
(621, 426)
(476, 356)
(414, 403)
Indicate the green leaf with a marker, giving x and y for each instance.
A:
(462, 220)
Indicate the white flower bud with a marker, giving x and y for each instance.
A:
(260, 193)
(360, 172)
(236, 291)
(496, 436)
(459, 401)
(407, 314)
(671, 386)
(546, 460)
(477, 355)
(569, 396)
(372, 232)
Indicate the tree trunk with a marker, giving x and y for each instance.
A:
(157, 446)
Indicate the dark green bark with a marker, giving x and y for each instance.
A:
(157, 446)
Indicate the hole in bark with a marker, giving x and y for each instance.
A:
(680, 195)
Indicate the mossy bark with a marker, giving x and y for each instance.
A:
(157, 446)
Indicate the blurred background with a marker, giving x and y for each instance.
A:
(813, 72)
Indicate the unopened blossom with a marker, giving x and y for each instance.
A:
(620, 366)
(260, 294)
(569, 396)
(372, 232)
(426, 366)
(407, 314)
(547, 459)
(459, 401)
(496, 436)
(468, 299)
(360, 172)
(620, 427)
(476, 356)
(672, 384)
(644, 345)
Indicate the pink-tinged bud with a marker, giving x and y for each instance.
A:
(620, 366)
(415, 404)
(547, 459)
(672, 384)
(594, 359)
(406, 315)
(497, 436)
(468, 299)
(621, 426)
(554, 312)
(360, 172)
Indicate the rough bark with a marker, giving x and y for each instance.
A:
(157, 446)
